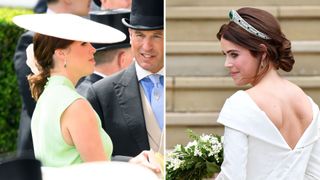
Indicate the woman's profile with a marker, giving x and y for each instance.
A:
(272, 128)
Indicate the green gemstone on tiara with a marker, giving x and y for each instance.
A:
(230, 15)
(235, 17)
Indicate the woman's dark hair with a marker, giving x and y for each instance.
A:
(44, 47)
(278, 47)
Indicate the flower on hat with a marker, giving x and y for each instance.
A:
(31, 60)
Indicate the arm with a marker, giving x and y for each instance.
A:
(80, 128)
(92, 98)
(235, 155)
(313, 168)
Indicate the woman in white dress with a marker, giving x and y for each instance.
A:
(272, 128)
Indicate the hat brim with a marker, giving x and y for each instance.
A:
(71, 27)
(139, 27)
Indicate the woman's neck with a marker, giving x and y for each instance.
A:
(72, 78)
(271, 76)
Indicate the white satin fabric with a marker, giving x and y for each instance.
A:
(254, 149)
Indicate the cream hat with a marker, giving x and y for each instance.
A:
(69, 26)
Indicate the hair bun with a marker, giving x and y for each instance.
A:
(286, 59)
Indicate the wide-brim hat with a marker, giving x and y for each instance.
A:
(145, 15)
(112, 18)
(70, 27)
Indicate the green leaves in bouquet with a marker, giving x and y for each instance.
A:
(200, 158)
(192, 135)
(212, 168)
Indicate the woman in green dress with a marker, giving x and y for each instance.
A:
(65, 128)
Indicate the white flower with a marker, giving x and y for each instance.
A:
(177, 147)
(174, 163)
(192, 144)
(205, 137)
(197, 152)
(31, 60)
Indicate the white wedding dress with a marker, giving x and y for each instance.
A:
(254, 149)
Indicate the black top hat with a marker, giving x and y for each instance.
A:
(112, 18)
(97, 2)
(145, 15)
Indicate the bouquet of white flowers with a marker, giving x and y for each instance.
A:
(199, 159)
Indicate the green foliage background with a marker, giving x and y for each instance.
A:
(10, 102)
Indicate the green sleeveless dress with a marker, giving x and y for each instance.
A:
(49, 145)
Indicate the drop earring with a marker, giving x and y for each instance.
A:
(65, 63)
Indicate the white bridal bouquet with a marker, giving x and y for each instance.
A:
(200, 158)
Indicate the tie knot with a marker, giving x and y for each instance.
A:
(156, 79)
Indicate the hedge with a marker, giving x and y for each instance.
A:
(10, 101)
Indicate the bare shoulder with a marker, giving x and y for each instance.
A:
(285, 91)
(299, 99)
(79, 104)
(282, 101)
(80, 109)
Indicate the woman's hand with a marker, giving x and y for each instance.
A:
(147, 159)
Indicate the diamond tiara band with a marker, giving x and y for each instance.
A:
(235, 17)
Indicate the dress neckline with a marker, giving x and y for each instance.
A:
(59, 79)
(277, 131)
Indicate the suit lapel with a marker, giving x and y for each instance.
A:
(127, 91)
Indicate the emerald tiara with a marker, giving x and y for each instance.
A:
(235, 17)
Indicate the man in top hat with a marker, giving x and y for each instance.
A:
(113, 4)
(130, 103)
(110, 58)
(25, 145)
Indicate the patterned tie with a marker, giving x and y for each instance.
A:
(153, 86)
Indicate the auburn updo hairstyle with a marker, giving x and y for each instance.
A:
(278, 47)
(44, 47)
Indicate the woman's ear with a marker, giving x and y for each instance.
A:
(263, 50)
(59, 53)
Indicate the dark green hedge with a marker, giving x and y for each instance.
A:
(10, 102)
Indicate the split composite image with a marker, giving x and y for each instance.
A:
(153, 89)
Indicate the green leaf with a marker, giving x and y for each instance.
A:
(192, 135)
(212, 168)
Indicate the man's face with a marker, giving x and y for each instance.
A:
(80, 8)
(115, 4)
(147, 48)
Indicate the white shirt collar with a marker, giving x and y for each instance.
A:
(142, 73)
(100, 74)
